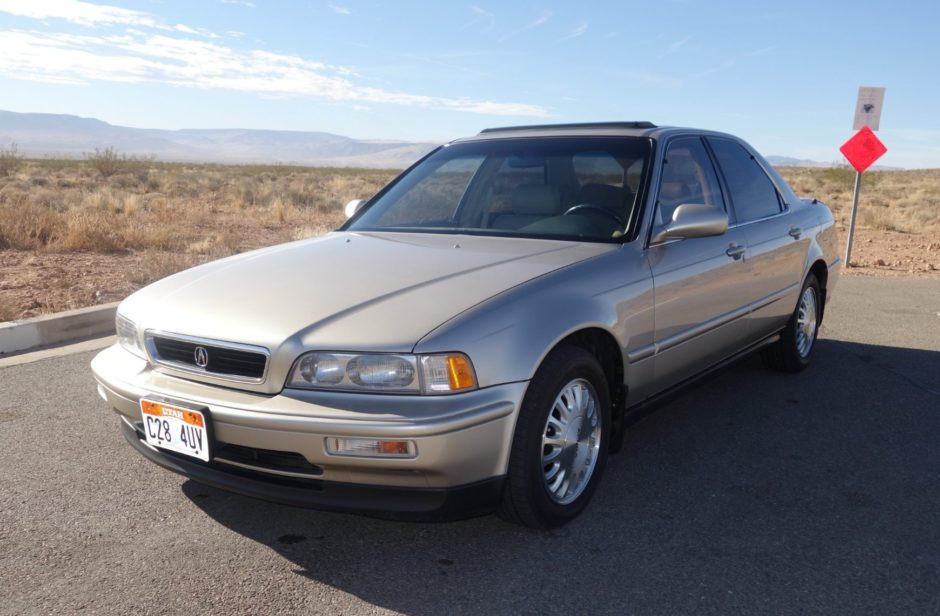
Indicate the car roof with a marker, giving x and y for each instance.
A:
(587, 129)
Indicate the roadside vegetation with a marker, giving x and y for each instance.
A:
(78, 232)
(9, 159)
(904, 201)
(109, 204)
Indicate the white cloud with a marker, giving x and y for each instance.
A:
(138, 57)
(77, 12)
(579, 31)
(535, 23)
(675, 46)
(196, 31)
(482, 18)
(538, 21)
(340, 10)
(93, 15)
(250, 5)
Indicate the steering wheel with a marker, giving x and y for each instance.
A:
(575, 209)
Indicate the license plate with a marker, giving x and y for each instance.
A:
(176, 428)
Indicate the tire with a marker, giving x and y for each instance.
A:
(544, 441)
(792, 353)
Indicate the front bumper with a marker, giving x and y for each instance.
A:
(462, 440)
(479, 498)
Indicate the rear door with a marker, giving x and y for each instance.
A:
(775, 245)
(700, 284)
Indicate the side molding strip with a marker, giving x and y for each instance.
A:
(685, 335)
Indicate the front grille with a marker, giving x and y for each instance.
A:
(222, 361)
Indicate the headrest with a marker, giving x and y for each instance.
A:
(536, 200)
(672, 190)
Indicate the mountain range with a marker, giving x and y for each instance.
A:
(46, 134)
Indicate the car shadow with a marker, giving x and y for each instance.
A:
(755, 491)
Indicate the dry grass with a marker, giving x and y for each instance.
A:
(905, 201)
(215, 210)
(9, 311)
(79, 232)
(110, 204)
(9, 159)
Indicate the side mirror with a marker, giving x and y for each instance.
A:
(693, 220)
(353, 206)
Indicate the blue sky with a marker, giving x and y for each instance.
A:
(782, 75)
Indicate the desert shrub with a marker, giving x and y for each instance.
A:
(94, 231)
(838, 175)
(124, 180)
(281, 209)
(877, 218)
(108, 161)
(26, 226)
(8, 310)
(9, 159)
(158, 266)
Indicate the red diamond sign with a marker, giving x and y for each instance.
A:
(863, 149)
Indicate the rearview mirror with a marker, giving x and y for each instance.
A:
(353, 206)
(693, 220)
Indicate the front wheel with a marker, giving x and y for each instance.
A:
(559, 448)
(793, 351)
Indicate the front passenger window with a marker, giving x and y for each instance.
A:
(688, 177)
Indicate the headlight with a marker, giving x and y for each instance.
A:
(386, 372)
(128, 336)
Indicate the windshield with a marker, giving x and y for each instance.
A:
(581, 188)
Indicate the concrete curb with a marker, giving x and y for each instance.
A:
(57, 328)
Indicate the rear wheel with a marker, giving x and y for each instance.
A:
(559, 448)
(793, 351)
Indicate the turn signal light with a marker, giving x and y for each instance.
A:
(460, 372)
(370, 448)
(447, 373)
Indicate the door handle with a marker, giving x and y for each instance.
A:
(795, 232)
(735, 251)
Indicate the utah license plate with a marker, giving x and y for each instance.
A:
(176, 428)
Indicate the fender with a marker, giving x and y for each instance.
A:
(508, 336)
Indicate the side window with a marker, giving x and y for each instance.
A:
(752, 193)
(688, 177)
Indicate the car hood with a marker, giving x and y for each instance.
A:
(346, 291)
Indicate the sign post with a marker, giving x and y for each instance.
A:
(863, 148)
(848, 241)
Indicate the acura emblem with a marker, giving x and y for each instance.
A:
(201, 355)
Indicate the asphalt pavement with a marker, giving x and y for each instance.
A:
(756, 492)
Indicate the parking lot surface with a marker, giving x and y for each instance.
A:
(755, 492)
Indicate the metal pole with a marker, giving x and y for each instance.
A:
(848, 243)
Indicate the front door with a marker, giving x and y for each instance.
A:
(700, 284)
